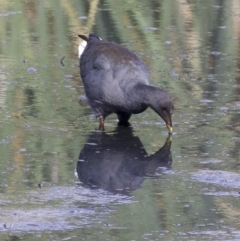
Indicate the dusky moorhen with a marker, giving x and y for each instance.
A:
(116, 80)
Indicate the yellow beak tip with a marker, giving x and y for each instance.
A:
(170, 129)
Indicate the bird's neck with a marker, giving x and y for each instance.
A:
(153, 97)
(147, 94)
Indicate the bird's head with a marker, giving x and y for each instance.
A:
(161, 102)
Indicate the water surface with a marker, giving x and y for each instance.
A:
(130, 184)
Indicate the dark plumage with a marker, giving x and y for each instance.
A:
(117, 81)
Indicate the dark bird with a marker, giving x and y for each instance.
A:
(116, 80)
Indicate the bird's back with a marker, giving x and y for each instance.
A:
(104, 55)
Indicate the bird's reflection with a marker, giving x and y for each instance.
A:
(118, 162)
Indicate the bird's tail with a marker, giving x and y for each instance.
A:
(85, 39)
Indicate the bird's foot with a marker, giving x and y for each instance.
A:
(101, 125)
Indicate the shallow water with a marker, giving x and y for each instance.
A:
(130, 184)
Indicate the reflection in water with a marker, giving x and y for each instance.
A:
(119, 162)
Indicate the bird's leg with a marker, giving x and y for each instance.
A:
(101, 124)
(123, 118)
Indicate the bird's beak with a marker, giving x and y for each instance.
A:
(169, 129)
(168, 120)
(167, 117)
